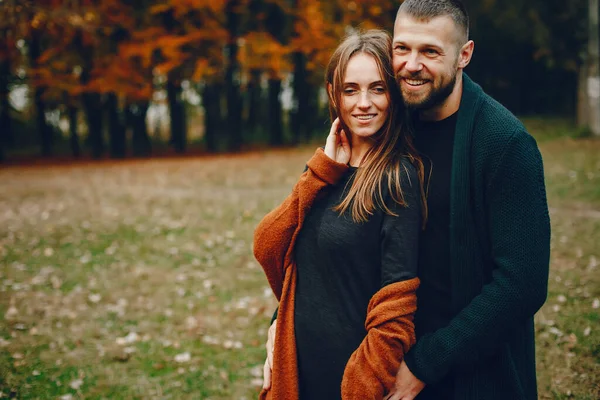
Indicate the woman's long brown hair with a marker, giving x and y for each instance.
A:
(383, 161)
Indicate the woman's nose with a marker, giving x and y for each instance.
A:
(364, 100)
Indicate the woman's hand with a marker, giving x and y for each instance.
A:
(337, 146)
(268, 368)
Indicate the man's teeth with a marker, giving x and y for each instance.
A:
(365, 117)
(415, 82)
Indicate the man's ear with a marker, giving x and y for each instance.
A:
(465, 54)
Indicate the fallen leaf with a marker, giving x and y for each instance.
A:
(11, 313)
(131, 337)
(183, 357)
(94, 298)
(76, 384)
(587, 331)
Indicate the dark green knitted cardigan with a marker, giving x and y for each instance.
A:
(500, 251)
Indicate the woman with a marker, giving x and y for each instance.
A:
(340, 253)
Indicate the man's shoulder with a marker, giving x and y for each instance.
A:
(496, 117)
(493, 123)
(492, 111)
(495, 129)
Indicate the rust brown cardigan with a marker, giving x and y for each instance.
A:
(371, 370)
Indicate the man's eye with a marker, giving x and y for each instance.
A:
(431, 52)
(400, 48)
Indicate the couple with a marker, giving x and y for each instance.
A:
(426, 189)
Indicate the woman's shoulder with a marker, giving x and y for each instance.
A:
(405, 178)
(409, 176)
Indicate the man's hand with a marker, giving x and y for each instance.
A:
(407, 386)
(269, 361)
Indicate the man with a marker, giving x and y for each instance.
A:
(484, 254)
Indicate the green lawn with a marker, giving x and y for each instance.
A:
(136, 280)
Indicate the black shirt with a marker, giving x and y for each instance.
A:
(434, 140)
(341, 265)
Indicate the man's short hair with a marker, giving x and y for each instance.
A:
(428, 9)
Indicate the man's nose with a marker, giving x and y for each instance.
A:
(413, 63)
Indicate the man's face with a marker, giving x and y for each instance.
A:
(425, 60)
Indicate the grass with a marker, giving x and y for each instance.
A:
(136, 280)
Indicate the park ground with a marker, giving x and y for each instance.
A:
(136, 280)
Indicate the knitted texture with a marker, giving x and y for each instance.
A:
(500, 249)
(274, 239)
(371, 370)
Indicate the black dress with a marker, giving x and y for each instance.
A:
(341, 265)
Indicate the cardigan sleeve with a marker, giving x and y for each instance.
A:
(277, 230)
(371, 370)
(519, 234)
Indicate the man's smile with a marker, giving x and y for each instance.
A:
(415, 82)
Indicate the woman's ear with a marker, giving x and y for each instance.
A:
(330, 93)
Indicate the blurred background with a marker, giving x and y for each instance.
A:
(126, 267)
(130, 78)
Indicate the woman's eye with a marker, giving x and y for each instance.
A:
(379, 90)
(349, 91)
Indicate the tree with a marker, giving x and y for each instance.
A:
(531, 33)
(313, 41)
(35, 52)
(232, 72)
(72, 112)
(302, 89)
(213, 114)
(254, 70)
(188, 45)
(593, 78)
(277, 26)
(7, 51)
(116, 76)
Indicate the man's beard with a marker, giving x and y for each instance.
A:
(435, 97)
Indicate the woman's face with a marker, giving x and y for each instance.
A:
(364, 98)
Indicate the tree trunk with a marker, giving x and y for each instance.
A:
(91, 105)
(593, 78)
(275, 113)
(92, 102)
(6, 135)
(116, 130)
(253, 116)
(211, 100)
(73, 131)
(279, 25)
(583, 109)
(254, 102)
(177, 115)
(136, 118)
(234, 109)
(301, 92)
(40, 106)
